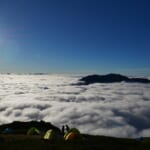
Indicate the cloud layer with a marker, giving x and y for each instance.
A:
(118, 109)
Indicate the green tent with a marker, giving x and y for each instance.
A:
(53, 135)
(33, 131)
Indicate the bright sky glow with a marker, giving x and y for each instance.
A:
(75, 36)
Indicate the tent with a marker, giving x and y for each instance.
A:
(74, 130)
(33, 131)
(53, 135)
(8, 131)
(73, 134)
(49, 135)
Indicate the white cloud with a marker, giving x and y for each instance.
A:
(118, 109)
(146, 133)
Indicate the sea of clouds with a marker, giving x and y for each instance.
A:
(118, 109)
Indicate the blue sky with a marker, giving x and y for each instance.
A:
(75, 36)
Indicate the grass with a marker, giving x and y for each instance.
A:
(24, 142)
(19, 140)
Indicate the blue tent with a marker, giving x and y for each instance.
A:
(8, 131)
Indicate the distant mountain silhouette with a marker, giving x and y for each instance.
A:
(110, 78)
(22, 127)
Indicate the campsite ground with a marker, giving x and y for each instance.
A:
(16, 138)
(25, 142)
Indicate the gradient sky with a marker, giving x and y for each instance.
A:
(75, 36)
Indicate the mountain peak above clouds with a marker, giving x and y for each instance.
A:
(110, 78)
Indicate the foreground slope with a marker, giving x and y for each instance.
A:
(22, 141)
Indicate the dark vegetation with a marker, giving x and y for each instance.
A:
(22, 127)
(19, 140)
(110, 78)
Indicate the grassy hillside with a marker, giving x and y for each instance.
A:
(35, 142)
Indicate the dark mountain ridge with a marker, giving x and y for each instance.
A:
(22, 127)
(110, 78)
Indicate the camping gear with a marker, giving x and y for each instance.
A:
(74, 130)
(73, 134)
(8, 131)
(33, 131)
(48, 135)
(53, 135)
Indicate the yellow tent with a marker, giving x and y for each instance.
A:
(53, 135)
(49, 135)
